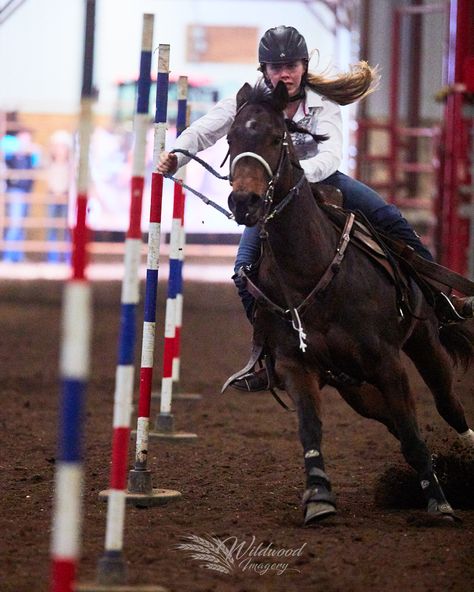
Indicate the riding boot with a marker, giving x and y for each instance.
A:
(258, 379)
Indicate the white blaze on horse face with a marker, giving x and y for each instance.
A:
(251, 124)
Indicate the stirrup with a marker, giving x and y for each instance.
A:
(253, 382)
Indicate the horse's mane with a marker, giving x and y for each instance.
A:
(260, 93)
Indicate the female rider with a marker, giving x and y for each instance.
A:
(315, 105)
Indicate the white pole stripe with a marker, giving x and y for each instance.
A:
(170, 330)
(143, 424)
(182, 242)
(159, 142)
(130, 284)
(166, 390)
(141, 124)
(68, 514)
(75, 354)
(179, 310)
(147, 32)
(123, 396)
(85, 131)
(175, 238)
(164, 58)
(153, 257)
(115, 519)
(148, 344)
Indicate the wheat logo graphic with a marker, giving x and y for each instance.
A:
(210, 551)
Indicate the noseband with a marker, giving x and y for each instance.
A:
(274, 177)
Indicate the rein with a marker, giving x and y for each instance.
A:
(201, 196)
(292, 312)
(296, 312)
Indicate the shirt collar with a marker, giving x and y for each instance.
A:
(313, 99)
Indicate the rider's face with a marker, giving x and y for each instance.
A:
(290, 74)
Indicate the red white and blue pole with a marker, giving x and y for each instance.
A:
(75, 355)
(112, 567)
(164, 422)
(140, 476)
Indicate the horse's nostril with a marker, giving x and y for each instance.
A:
(254, 199)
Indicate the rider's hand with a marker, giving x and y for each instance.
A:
(167, 164)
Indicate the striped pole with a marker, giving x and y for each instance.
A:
(112, 567)
(179, 303)
(164, 424)
(140, 482)
(75, 354)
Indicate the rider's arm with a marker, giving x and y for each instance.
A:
(205, 131)
(326, 120)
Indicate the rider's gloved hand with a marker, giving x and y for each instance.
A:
(167, 164)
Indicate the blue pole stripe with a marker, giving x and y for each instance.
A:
(151, 286)
(144, 83)
(162, 82)
(71, 416)
(127, 335)
(174, 280)
(181, 117)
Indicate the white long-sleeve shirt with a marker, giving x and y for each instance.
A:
(316, 113)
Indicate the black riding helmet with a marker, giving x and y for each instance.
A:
(282, 44)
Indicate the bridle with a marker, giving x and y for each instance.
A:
(269, 211)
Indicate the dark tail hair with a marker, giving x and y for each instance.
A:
(458, 341)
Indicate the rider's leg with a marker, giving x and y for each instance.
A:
(247, 254)
(388, 218)
(382, 215)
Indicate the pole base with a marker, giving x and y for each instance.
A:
(179, 396)
(158, 497)
(140, 481)
(92, 587)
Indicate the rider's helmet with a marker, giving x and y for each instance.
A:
(282, 44)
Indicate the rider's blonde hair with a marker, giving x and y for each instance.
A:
(347, 87)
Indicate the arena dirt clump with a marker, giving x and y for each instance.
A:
(398, 487)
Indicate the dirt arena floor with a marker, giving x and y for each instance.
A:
(241, 480)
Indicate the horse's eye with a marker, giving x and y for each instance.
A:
(276, 140)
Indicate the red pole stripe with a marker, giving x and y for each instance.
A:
(80, 236)
(178, 204)
(156, 197)
(134, 229)
(121, 441)
(168, 352)
(146, 375)
(63, 572)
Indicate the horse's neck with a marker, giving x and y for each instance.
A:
(301, 239)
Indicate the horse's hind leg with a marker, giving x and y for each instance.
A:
(435, 367)
(318, 501)
(393, 382)
(369, 402)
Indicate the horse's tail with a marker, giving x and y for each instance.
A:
(458, 341)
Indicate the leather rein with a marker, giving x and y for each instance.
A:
(292, 313)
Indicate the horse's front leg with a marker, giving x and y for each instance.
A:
(303, 387)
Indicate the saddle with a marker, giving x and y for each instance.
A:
(434, 280)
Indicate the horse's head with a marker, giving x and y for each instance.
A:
(258, 148)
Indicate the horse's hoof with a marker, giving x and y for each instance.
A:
(317, 511)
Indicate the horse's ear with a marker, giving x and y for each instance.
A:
(243, 94)
(280, 96)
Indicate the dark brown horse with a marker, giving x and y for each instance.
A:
(325, 311)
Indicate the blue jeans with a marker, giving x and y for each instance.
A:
(57, 234)
(357, 196)
(17, 210)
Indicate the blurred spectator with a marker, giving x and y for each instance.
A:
(59, 176)
(20, 157)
